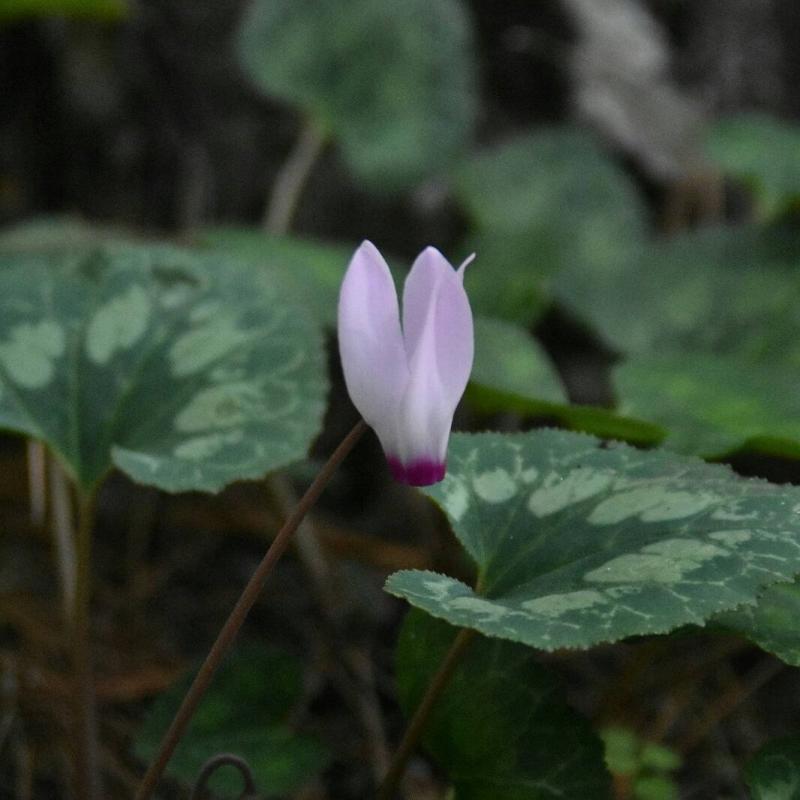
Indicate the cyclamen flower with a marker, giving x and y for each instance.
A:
(406, 382)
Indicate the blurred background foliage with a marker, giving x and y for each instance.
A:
(628, 173)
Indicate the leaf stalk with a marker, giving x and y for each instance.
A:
(87, 775)
(416, 727)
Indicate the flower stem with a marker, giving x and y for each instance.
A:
(87, 776)
(421, 716)
(240, 611)
(292, 178)
(63, 524)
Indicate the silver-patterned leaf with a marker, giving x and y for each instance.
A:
(578, 543)
(186, 371)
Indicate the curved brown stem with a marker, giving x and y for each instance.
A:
(224, 760)
(240, 611)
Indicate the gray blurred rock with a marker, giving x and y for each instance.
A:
(623, 88)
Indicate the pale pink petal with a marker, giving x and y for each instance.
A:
(429, 267)
(439, 369)
(371, 342)
(423, 426)
(453, 338)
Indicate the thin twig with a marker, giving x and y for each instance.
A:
(240, 611)
(292, 178)
(420, 719)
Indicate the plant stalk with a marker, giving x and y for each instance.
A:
(292, 178)
(87, 776)
(66, 540)
(240, 611)
(415, 728)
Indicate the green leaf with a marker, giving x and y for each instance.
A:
(724, 290)
(586, 419)
(655, 787)
(607, 424)
(547, 180)
(91, 9)
(578, 543)
(543, 202)
(510, 277)
(509, 360)
(501, 729)
(774, 773)
(771, 623)
(643, 763)
(394, 82)
(712, 405)
(308, 271)
(244, 712)
(659, 758)
(764, 152)
(185, 371)
(513, 374)
(622, 750)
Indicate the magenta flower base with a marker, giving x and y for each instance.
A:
(418, 473)
(406, 380)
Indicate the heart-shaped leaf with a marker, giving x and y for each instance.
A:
(501, 729)
(394, 82)
(185, 371)
(548, 180)
(540, 203)
(243, 712)
(577, 543)
(713, 404)
(509, 360)
(774, 773)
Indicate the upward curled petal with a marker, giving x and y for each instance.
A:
(429, 268)
(371, 342)
(439, 340)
